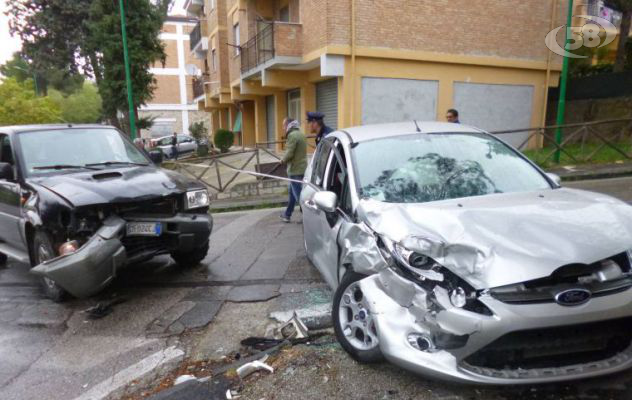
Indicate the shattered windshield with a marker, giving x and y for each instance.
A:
(45, 152)
(430, 167)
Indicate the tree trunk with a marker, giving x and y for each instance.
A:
(624, 33)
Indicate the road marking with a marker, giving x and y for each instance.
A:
(131, 373)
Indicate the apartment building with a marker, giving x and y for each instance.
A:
(174, 105)
(363, 61)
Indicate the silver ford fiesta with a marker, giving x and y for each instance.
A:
(454, 256)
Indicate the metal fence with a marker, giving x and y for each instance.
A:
(600, 141)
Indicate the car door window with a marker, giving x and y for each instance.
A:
(337, 179)
(320, 163)
(6, 153)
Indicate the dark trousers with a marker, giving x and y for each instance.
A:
(295, 194)
(174, 152)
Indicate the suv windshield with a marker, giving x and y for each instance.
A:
(430, 167)
(46, 151)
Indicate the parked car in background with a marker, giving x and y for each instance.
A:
(454, 256)
(186, 145)
(81, 202)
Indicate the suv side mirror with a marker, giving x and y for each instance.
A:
(325, 201)
(555, 178)
(156, 156)
(6, 172)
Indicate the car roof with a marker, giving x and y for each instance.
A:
(28, 128)
(377, 131)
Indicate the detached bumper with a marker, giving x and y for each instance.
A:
(397, 316)
(88, 270)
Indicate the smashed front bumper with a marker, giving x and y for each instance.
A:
(89, 269)
(92, 267)
(399, 311)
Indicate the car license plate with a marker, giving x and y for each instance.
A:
(144, 228)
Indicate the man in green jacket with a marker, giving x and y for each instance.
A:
(296, 159)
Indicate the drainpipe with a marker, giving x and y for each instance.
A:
(548, 71)
(353, 57)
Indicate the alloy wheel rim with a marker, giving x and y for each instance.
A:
(356, 322)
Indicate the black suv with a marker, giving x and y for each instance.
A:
(80, 202)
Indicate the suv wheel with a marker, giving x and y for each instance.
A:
(353, 324)
(191, 258)
(42, 248)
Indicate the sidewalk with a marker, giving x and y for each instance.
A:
(592, 171)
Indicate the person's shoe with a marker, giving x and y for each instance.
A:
(284, 219)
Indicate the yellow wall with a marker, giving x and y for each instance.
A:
(445, 74)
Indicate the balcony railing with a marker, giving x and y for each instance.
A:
(198, 85)
(195, 36)
(258, 49)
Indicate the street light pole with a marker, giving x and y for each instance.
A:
(561, 105)
(128, 75)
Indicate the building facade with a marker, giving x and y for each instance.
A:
(362, 61)
(174, 105)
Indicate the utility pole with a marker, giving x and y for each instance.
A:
(561, 105)
(128, 75)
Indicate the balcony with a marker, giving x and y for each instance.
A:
(198, 85)
(194, 7)
(279, 43)
(198, 40)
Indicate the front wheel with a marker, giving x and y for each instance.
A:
(43, 250)
(191, 258)
(353, 323)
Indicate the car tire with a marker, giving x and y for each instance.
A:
(191, 258)
(42, 248)
(353, 325)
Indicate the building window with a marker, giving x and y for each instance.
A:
(214, 59)
(294, 104)
(284, 14)
(236, 37)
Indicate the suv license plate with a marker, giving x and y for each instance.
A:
(144, 228)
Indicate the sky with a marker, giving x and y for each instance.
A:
(9, 44)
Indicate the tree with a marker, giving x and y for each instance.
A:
(198, 130)
(83, 106)
(20, 69)
(144, 20)
(625, 6)
(84, 37)
(19, 104)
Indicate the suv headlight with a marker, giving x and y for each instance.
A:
(197, 199)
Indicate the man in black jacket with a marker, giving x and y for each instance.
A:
(317, 126)
(174, 146)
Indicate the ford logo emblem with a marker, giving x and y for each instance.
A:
(573, 297)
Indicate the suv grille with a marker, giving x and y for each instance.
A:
(163, 207)
(555, 347)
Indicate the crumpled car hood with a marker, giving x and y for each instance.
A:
(501, 239)
(116, 185)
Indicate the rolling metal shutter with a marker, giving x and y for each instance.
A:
(327, 101)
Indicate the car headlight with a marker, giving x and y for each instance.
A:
(420, 265)
(197, 199)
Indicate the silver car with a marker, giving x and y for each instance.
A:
(454, 256)
(186, 145)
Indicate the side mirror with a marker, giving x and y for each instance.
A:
(6, 172)
(325, 201)
(555, 178)
(156, 156)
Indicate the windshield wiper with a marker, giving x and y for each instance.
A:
(66, 166)
(107, 163)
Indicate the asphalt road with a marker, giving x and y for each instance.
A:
(256, 265)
